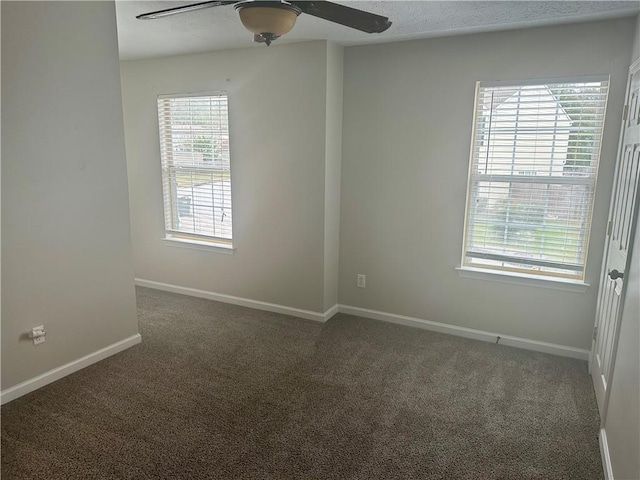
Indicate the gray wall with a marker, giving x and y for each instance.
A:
(407, 116)
(635, 54)
(333, 151)
(622, 419)
(65, 222)
(280, 156)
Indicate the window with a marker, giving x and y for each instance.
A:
(534, 161)
(194, 146)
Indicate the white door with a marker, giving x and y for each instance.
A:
(623, 215)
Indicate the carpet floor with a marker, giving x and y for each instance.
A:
(218, 391)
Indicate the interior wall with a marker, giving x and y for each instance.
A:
(635, 54)
(408, 110)
(277, 116)
(622, 419)
(333, 163)
(65, 222)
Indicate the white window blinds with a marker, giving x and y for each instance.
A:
(534, 161)
(194, 146)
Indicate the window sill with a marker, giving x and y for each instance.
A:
(575, 286)
(197, 245)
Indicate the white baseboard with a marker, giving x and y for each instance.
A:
(606, 459)
(525, 343)
(331, 312)
(244, 302)
(46, 378)
(519, 342)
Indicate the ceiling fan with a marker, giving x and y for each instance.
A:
(269, 20)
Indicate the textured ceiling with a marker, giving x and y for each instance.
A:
(219, 28)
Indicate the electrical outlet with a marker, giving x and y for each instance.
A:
(38, 335)
(362, 281)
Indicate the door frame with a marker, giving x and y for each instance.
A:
(634, 69)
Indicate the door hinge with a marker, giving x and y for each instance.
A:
(609, 227)
(625, 113)
(595, 333)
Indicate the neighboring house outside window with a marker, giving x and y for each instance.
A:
(196, 173)
(534, 162)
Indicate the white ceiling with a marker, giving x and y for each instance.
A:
(219, 27)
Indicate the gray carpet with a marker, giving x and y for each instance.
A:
(224, 392)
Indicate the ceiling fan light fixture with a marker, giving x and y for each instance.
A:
(269, 20)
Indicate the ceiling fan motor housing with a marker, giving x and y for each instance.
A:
(270, 20)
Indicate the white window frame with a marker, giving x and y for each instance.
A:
(522, 276)
(173, 234)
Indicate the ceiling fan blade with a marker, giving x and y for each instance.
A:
(347, 16)
(183, 9)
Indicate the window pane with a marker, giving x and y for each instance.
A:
(532, 221)
(535, 158)
(194, 140)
